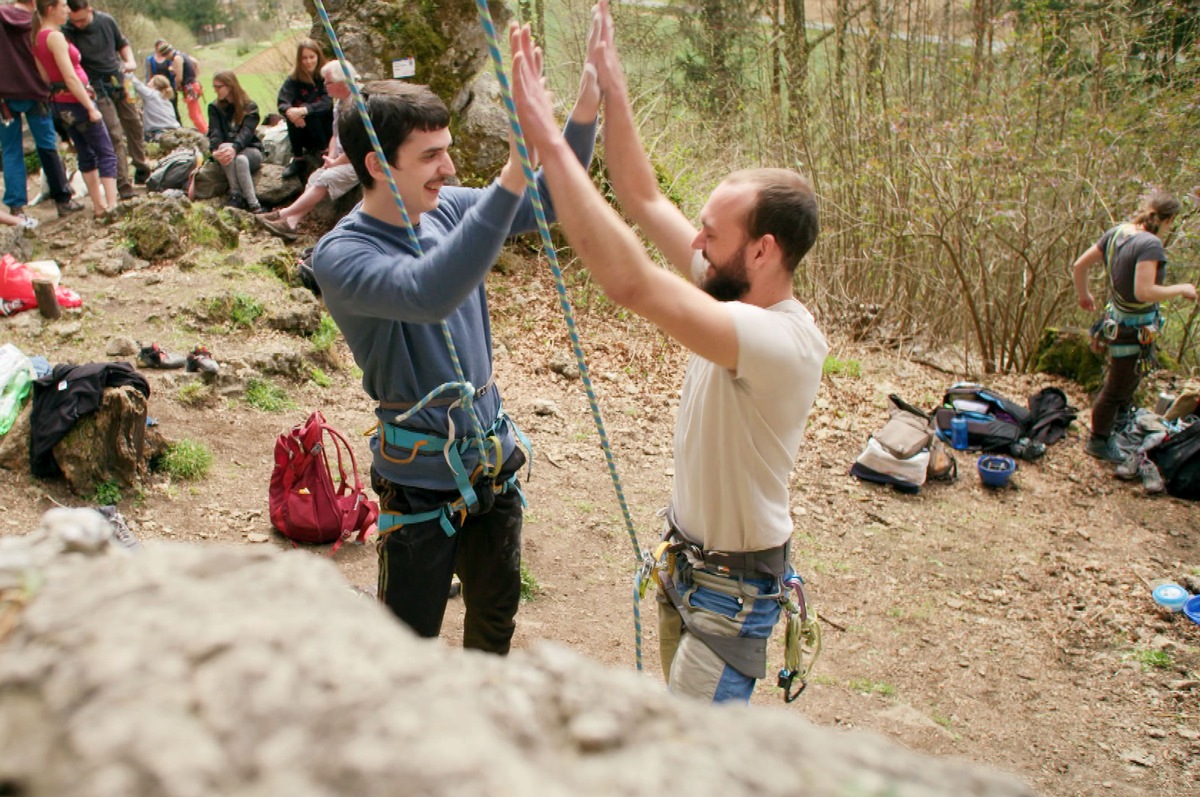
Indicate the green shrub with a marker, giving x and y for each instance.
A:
(107, 493)
(187, 460)
(268, 397)
(529, 584)
(236, 309)
(321, 378)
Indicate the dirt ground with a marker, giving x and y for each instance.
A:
(1013, 628)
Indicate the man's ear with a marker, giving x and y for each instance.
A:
(374, 167)
(766, 249)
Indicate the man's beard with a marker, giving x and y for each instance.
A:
(729, 282)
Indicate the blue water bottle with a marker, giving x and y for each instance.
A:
(958, 432)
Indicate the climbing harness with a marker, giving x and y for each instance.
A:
(676, 559)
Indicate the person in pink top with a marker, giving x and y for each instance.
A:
(73, 101)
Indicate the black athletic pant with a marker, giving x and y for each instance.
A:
(314, 137)
(416, 563)
(1120, 384)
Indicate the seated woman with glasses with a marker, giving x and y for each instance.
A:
(232, 137)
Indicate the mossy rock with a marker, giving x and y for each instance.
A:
(1067, 353)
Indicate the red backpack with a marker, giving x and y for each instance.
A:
(305, 506)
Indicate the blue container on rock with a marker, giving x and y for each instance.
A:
(958, 433)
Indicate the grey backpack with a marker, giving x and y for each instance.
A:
(174, 171)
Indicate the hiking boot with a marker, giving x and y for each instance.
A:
(126, 192)
(201, 359)
(1128, 469)
(256, 208)
(236, 200)
(153, 356)
(278, 228)
(293, 169)
(1152, 480)
(1104, 449)
(140, 176)
(1028, 450)
(68, 207)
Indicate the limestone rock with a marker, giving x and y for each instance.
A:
(121, 346)
(188, 670)
(297, 317)
(108, 445)
(480, 127)
(172, 140)
(281, 361)
(272, 189)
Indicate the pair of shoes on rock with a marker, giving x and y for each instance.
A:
(199, 359)
(1104, 449)
(294, 169)
(1139, 466)
(278, 227)
(68, 207)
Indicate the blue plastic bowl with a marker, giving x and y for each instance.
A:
(995, 469)
(1170, 596)
(1191, 609)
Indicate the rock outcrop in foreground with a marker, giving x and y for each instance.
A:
(198, 671)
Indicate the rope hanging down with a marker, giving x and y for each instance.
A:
(465, 389)
(639, 587)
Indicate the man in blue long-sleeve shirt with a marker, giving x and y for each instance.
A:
(452, 508)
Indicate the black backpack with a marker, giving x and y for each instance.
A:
(1178, 459)
(1050, 413)
(994, 423)
(174, 171)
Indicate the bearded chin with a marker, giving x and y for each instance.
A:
(726, 287)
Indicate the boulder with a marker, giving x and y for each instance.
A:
(172, 140)
(108, 445)
(1068, 353)
(209, 182)
(14, 446)
(202, 670)
(274, 191)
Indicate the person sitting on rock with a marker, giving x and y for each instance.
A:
(233, 140)
(306, 105)
(332, 180)
(158, 112)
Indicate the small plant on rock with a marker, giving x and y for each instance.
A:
(107, 494)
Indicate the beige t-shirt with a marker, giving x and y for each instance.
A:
(737, 435)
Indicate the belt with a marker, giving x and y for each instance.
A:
(769, 563)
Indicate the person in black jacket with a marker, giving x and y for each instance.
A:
(305, 103)
(233, 139)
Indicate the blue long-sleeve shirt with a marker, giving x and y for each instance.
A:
(390, 301)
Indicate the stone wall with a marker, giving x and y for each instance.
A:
(197, 671)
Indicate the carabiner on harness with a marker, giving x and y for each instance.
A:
(802, 639)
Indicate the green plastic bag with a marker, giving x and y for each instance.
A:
(16, 382)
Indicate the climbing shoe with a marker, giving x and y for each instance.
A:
(201, 360)
(1128, 469)
(1104, 449)
(1152, 480)
(153, 356)
(1027, 449)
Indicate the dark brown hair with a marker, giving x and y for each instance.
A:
(1155, 210)
(396, 109)
(238, 99)
(298, 71)
(785, 208)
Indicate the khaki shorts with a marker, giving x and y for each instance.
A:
(337, 180)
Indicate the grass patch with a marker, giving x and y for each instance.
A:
(187, 460)
(326, 334)
(236, 309)
(193, 393)
(268, 396)
(868, 687)
(107, 493)
(530, 588)
(835, 367)
(1153, 659)
(321, 378)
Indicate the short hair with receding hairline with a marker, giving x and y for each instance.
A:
(396, 109)
(785, 207)
(333, 73)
